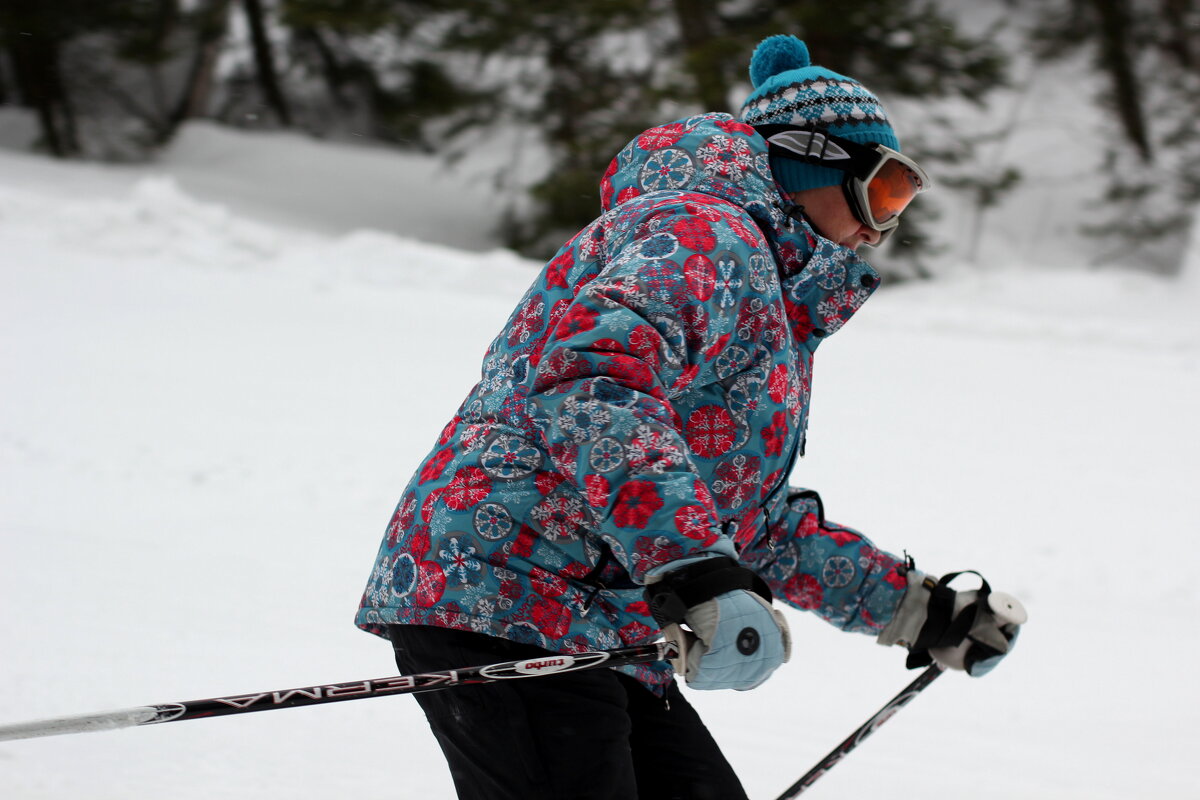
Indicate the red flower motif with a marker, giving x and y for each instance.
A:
(650, 551)
(578, 319)
(701, 276)
(546, 583)
(556, 270)
(551, 617)
(575, 569)
(770, 482)
(694, 522)
(637, 502)
(710, 431)
(449, 430)
(638, 607)
(627, 194)
(418, 545)
(717, 347)
(635, 632)
(660, 137)
(429, 504)
(402, 519)
(597, 490)
(733, 126)
(528, 321)
(526, 539)
(685, 378)
(694, 234)
(701, 206)
(470, 485)
(748, 235)
(800, 317)
(560, 366)
(564, 455)
(434, 467)
(606, 187)
(592, 244)
(895, 578)
(431, 584)
(804, 591)
(609, 346)
(737, 480)
(777, 384)
(841, 537)
(547, 482)
(635, 374)
(644, 342)
(774, 434)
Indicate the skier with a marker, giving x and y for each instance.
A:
(620, 469)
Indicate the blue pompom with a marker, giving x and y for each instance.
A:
(776, 54)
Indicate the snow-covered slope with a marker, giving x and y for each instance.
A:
(206, 420)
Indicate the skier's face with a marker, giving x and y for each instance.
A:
(828, 211)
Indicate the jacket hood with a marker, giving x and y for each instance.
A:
(715, 155)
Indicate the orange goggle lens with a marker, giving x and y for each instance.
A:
(891, 190)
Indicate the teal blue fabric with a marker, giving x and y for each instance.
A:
(643, 403)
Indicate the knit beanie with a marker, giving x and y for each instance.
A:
(789, 90)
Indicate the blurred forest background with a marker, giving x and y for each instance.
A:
(554, 90)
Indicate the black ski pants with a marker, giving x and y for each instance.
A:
(594, 735)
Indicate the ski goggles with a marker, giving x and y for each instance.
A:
(880, 182)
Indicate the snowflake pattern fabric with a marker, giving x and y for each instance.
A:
(646, 401)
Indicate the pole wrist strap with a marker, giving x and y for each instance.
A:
(680, 589)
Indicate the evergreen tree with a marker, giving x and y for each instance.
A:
(1149, 55)
(111, 80)
(579, 83)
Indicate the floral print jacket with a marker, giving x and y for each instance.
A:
(647, 398)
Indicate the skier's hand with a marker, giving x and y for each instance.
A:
(969, 630)
(736, 639)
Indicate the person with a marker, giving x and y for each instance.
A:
(621, 467)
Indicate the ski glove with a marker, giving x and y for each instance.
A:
(736, 639)
(964, 630)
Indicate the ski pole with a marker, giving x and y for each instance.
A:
(550, 664)
(866, 729)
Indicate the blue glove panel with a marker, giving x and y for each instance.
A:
(978, 669)
(742, 641)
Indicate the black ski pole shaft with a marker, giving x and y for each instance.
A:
(866, 729)
(551, 664)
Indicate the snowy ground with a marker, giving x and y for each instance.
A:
(206, 420)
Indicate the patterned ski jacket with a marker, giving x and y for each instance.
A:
(647, 399)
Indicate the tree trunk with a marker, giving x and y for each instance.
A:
(331, 68)
(35, 61)
(1117, 56)
(6, 93)
(268, 80)
(197, 89)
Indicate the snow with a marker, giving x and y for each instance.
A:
(215, 387)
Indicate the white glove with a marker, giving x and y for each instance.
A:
(965, 630)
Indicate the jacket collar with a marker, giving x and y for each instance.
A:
(823, 282)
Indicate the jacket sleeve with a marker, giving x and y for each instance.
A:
(634, 338)
(817, 565)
